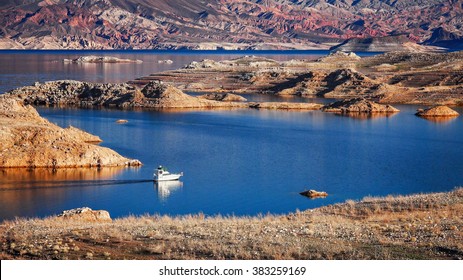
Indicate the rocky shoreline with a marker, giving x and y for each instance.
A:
(423, 226)
(154, 95)
(30, 141)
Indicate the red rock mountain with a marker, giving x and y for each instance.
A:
(198, 24)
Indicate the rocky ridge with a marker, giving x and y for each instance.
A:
(358, 105)
(28, 140)
(222, 24)
(228, 97)
(82, 94)
(437, 111)
(155, 95)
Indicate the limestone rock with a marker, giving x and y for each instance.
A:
(86, 214)
(437, 111)
(155, 94)
(358, 105)
(83, 136)
(228, 97)
(285, 106)
(160, 95)
(101, 59)
(28, 140)
(313, 194)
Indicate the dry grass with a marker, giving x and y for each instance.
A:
(401, 227)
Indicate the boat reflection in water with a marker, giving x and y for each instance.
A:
(165, 188)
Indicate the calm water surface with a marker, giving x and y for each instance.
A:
(241, 162)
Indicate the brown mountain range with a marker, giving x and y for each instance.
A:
(229, 24)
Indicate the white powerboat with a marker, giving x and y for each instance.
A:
(161, 174)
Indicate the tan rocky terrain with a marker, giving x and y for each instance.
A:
(228, 97)
(437, 111)
(424, 226)
(153, 95)
(398, 77)
(358, 105)
(28, 140)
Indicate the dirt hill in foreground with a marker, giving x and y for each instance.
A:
(425, 226)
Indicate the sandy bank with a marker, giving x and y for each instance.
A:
(425, 226)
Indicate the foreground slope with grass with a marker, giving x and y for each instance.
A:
(424, 226)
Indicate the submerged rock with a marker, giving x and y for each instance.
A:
(437, 111)
(359, 105)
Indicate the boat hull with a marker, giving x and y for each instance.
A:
(170, 177)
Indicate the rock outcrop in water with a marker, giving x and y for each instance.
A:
(28, 140)
(159, 95)
(358, 105)
(155, 94)
(285, 106)
(82, 94)
(228, 97)
(437, 111)
(224, 24)
(339, 83)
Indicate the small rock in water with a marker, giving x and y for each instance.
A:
(313, 194)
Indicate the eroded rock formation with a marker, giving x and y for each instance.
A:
(358, 105)
(437, 111)
(28, 140)
(86, 214)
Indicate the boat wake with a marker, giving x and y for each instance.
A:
(31, 185)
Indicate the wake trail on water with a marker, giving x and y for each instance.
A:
(31, 185)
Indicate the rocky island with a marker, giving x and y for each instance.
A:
(153, 95)
(437, 111)
(358, 105)
(101, 59)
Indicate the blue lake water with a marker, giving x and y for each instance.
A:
(242, 162)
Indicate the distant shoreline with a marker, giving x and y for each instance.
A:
(240, 52)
